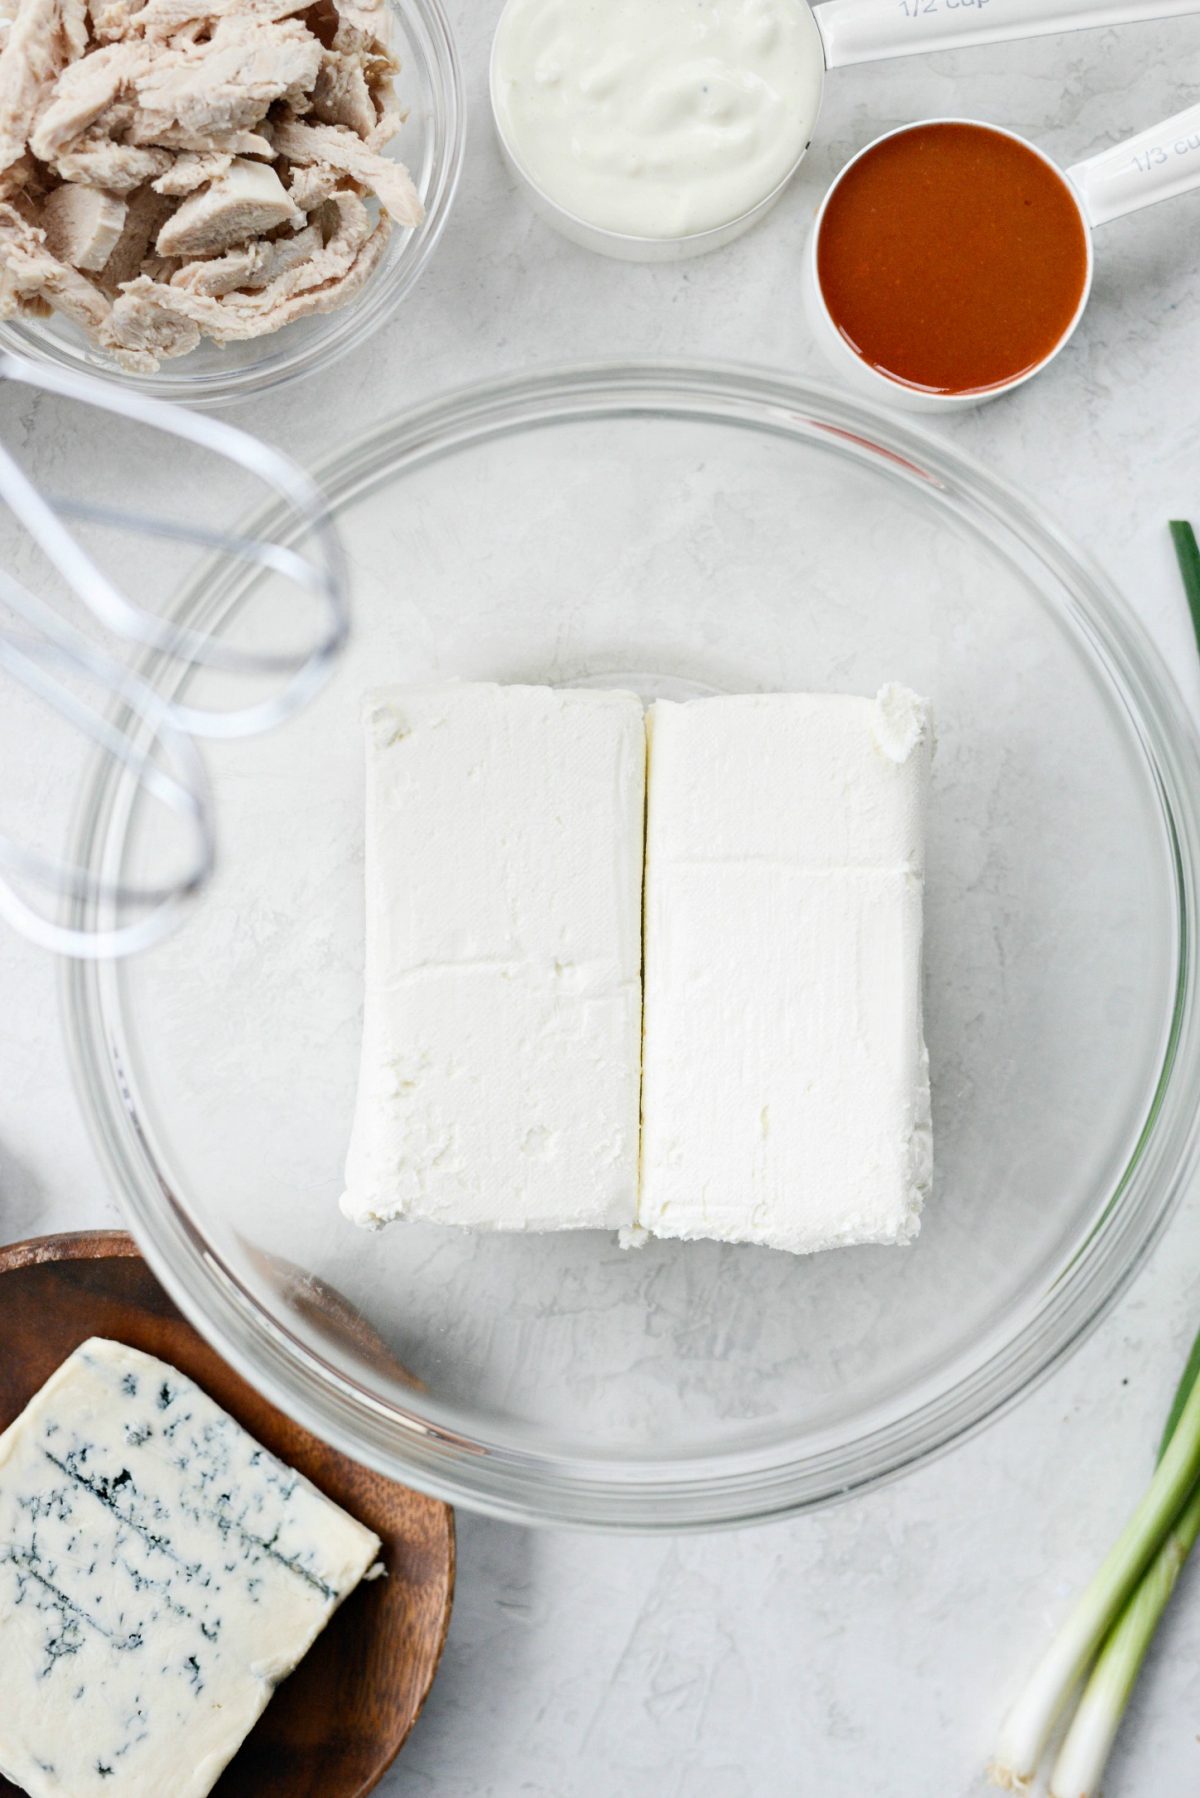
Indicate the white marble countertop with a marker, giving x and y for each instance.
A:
(868, 1649)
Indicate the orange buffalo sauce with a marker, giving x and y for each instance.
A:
(952, 257)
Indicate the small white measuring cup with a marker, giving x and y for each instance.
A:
(842, 32)
(1155, 164)
(872, 30)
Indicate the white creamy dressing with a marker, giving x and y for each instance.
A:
(656, 118)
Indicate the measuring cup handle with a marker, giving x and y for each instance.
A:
(870, 30)
(1154, 165)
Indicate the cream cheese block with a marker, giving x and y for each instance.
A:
(785, 1078)
(160, 1573)
(502, 1023)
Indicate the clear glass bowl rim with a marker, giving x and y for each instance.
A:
(292, 357)
(740, 1488)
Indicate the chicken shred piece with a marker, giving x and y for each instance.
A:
(387, 126)
(113, 20)
(342, 95)
(145, 214)
(162, 19)
(83, 92)
(329, 279)
(28, 272)
(247, 201)
(21, 177)
(250, 267)
(138, 324)
(210, 143)
(224, 323)
(361, 16)
(341, 149)
(191, 171)
(226, 84)
(45, 37)
(314, 183)
(120, 168)
(82, 225)
(379, 65)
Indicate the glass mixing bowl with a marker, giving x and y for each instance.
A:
(680, 530)
(430, 144)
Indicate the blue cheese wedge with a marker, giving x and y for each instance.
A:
(785, 1093)
(502, 1021)
(160, 1573)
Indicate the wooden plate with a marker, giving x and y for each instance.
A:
(335, 1726)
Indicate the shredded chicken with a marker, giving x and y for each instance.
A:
(341, 149)
(21, 177)
(120, 168)
(242, 316)
(387, 126)
(82, 225)
(179, 169)
(84, 91)
(361, 16)
(342, 96)
(111, 20)
(139, 326)
(164, 19)
(314, 183)
(192, 171)
(45, 37)
(246, 202)
(215, 143)
(27, 269)
(145, 214)
(226, 84)
(252, 266)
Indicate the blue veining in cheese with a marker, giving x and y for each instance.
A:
(160, 1572)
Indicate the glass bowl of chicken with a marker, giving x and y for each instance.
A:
(208, 198)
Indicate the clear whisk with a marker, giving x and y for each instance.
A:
(81, 676)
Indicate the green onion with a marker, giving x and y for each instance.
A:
(1081, 1761)
(1187, 552)
(1117, 1616)
(1190, 1375)
(1030, 1722)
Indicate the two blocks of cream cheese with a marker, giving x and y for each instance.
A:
(749, 1066)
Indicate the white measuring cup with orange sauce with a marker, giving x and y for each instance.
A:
(952, 261)
(657, 129)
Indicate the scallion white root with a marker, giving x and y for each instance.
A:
(1030, 1722)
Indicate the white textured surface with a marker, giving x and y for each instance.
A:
(502, 1027)
(865, 1651)
(785, 1083)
